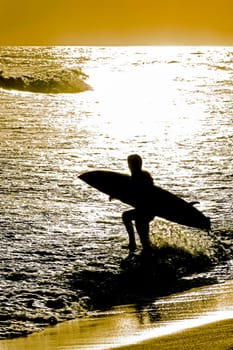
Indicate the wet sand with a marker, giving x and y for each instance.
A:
(217, 335)
(196, 319)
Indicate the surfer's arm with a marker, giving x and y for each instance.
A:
(148, 178)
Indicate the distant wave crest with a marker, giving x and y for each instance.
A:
(69, 80)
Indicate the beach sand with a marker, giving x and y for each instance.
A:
(217, 336)
(201, 318)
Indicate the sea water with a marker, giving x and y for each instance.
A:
(66, 110)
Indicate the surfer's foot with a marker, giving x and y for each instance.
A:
(147, 250)
(131, 247)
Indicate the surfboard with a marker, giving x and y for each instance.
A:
(157, 201)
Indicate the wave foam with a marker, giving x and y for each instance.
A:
(57, 81)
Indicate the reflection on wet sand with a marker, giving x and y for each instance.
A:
(132, 324)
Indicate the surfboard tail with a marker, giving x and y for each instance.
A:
(203, 223)
(207, 224)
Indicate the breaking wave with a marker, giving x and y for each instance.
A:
(168, 269)
(56, 81)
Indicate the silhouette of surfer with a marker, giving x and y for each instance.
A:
(148, 201)
(142, 183)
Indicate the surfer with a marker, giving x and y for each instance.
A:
(147, 200)
(141, 182)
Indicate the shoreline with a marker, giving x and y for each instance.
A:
(217, 335)
(176, 319)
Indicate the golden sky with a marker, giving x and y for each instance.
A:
(116, 22)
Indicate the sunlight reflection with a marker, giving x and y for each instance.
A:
(145, 102)
(175, 327)
(146, 99)
(143, 95)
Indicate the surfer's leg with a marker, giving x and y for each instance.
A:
(142, 226)
(127, 218)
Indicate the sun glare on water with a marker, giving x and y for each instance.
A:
(144, 93)
(145, 99)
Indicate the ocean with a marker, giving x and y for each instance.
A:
(67, 110)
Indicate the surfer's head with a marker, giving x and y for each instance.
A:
(134, 162)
